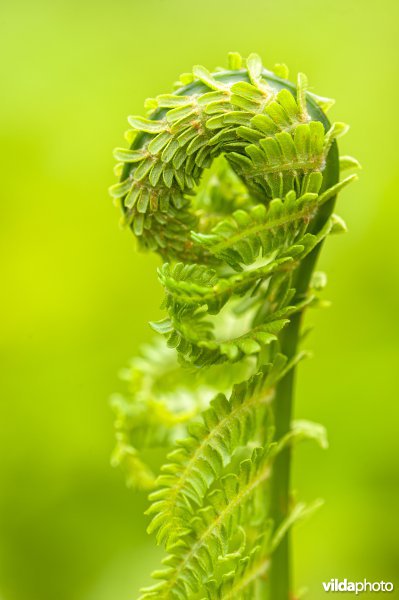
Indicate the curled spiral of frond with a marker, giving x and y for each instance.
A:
(231, 179)
(273, 139)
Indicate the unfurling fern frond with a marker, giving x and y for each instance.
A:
(201, 458)
(212, 529)
(232, 180)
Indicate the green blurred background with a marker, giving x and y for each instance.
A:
(76, 298)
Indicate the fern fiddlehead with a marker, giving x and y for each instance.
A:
(232, 180)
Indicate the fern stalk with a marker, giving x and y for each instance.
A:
(280, 573)
(232, 180)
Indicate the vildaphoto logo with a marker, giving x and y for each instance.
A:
(334, 585)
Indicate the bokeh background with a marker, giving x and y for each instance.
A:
(76, 297)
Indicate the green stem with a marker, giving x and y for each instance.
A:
(280, 572)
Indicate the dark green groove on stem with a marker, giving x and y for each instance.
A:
(280, 571)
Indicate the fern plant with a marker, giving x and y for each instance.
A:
(232, 180)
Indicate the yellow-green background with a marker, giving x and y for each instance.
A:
(76, 298)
